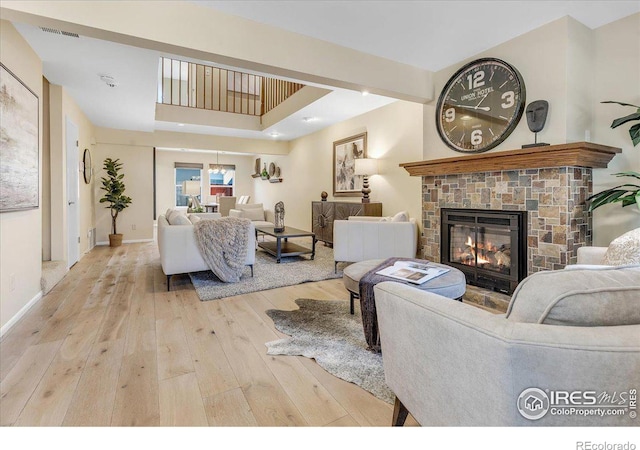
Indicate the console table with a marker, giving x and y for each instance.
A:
(324, 213)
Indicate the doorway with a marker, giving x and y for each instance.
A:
(73, 194)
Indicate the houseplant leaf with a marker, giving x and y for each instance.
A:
(620, 103)
(634, 132)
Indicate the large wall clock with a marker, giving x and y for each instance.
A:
(480, 105)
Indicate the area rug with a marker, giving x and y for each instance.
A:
(268, 274)
(325, 331)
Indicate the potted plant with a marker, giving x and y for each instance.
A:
(628, 193)
(114, 187)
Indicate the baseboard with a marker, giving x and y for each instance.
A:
(132, 241)
(7, 326)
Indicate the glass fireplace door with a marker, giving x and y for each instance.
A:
(480, 246)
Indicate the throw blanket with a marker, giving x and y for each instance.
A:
(223, 245)
(368, 302)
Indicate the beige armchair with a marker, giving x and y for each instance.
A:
(450, 363)
(226, 204)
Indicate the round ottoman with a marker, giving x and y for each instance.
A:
(452, 284)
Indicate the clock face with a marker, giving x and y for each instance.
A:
(480, 105)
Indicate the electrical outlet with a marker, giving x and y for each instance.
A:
(133, 227)
(12, 282)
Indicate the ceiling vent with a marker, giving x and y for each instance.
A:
(54, 31)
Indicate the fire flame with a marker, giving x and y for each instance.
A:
(480, 260)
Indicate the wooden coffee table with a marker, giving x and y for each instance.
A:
(282, 247)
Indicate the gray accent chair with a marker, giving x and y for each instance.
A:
(451, 363)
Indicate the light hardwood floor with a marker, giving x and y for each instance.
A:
(110, 346)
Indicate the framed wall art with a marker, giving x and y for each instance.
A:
(345, 152)
(19, 146)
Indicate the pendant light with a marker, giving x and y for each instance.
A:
(218, 168)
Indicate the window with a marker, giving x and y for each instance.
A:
(186, 172)
(222, 183)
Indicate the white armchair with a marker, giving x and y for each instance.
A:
(452, 364)
(362, 238)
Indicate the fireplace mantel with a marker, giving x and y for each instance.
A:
(576, 154)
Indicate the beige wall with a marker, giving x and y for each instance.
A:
(540, 57)
(215, 36)
(45, 206)
(573, 68)
(135, 150)
(62, 106)
(617, 77)
(165, 175)
(136, 221)
(394, 135)
(20, 231)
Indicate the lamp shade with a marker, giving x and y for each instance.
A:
(191, 187)
(366, 166)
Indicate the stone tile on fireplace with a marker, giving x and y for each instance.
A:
(553, 197)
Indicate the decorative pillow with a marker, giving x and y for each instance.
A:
(402, 216)
(168, 213)
(171, 213)
(624, 249)
(253, 213)
(579, 297)
(178, 218)
(194, 219)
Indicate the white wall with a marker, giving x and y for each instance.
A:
(394, 135)
(573, 68)
(136, 221)
(165, 166)
(135, 151)
(62, 106)
(617, 77)
(20, 231)
(540, 57)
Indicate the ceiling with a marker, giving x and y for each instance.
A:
(427, 34)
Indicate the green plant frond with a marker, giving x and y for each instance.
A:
(608, 196)
(628, 174)
(628, 200)
(622, 120)
(621, 103)
(634, 132)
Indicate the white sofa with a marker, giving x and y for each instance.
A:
(179, 251)
(361, 238)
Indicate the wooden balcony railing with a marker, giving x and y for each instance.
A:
(194, 85)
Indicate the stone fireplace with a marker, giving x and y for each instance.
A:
(549, 183)
(557, 219)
